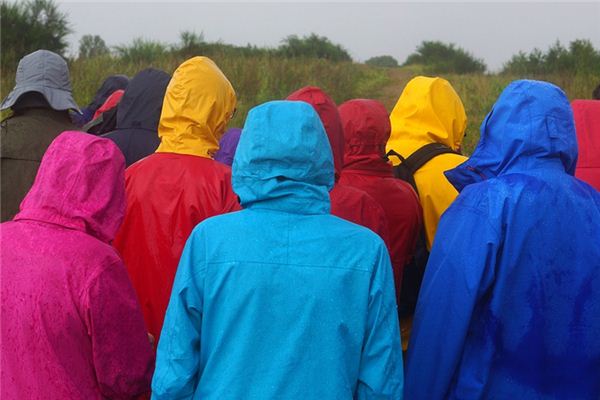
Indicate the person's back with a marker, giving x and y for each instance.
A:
(519, 299)
(587, 124)
(281, 300)
(429, 111)
(138, 114)
(172, 190)
(71, 324)
(40, 102)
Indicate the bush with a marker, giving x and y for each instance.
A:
(312, 46)
(92, 46)
(441, 58)
(382, 61)
(142, 51)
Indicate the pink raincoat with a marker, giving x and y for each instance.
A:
(71, 324)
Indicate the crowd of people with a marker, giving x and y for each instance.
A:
(321, 252)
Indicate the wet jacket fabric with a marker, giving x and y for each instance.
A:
(108, 87)
(171, 191)
(587, 124)
(511, 296)
(306, 299)
(71, 324)
(25, 137)
(351, 204)
(138, 114)
(227, 146)
(429, 111)
(366, 129)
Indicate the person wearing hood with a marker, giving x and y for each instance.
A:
(40, 104)
(108, 87)
(587, 122)
(180, 185)
(228, 145)
(347, 202)
(105, 118)
(366, 129)
(72, 327)
(281, 300)
(511, 296)
(429, 111)
(138, 114)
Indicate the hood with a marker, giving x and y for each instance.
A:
(366, 131)
(428, 111)
(283, 161)
(108, 87)
(529, 128)
(111, 102)
(80, 185)
(142, 102)
(198, 104)
(587, 123)
(227, 146)
(330, 118)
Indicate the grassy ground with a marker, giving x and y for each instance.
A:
(260, 79)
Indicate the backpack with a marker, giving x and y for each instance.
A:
(414, 271)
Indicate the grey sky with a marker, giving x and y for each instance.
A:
(490, 30)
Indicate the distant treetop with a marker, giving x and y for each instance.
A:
(440, 58)
(382, 61)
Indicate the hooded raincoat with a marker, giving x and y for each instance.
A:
(510, 301)
(108, 87)
(366, 129)
(269, 302)
(138, 114)
(171, 191)
(587, 122)
(347, 202)
(429, 111)
(227, 146)
(71, 324)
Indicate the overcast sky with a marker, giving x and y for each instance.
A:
(492, 31)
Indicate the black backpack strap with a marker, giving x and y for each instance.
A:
(420, 157)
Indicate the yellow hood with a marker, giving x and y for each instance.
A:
(198, 104)
(428, 111)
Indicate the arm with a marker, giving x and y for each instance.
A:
(178, 358)
(381, 371)
(123, 357)
(459, 271)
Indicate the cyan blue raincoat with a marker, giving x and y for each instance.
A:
(281, 300)
(510, 302)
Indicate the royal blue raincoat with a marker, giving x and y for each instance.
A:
(281, 300)
(510, 302)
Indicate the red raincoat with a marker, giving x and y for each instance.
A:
(587, 123)
(366, 129)
(349, 203)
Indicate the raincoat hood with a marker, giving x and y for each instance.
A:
(111, 102)
(198, 104)
(108, 87)
(428, 111)
(530, 127)
(142, 102)
(330, 118)
(227, 146)
(587, 121)
(80, 185)
(283, 161)
(366, 131)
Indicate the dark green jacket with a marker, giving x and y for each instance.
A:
(24, 139)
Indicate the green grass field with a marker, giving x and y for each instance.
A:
(260, 79)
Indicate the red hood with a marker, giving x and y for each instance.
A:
(587, 124)
(330, 118)
(366, 130)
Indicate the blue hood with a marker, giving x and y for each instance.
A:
(284, 160)
(529, 128)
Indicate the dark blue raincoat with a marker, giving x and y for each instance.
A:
(510, 302)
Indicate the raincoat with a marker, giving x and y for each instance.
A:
(268, 302)
(366, 129)
(71, 324)
(587, 122)
(171, 191)
(138, 114)
(511, 296)
(429, 111)
(349, 203)
(227, 146)
(108, 87)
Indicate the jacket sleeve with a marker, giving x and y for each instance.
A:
(459, 271)
(122, 354)
(178, 358)
(381, 371)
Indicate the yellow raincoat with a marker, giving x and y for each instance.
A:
(429, 111)
(193, 121)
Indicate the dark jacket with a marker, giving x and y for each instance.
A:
(138, 114)
(25, 137)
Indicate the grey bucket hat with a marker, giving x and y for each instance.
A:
(47, 73)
